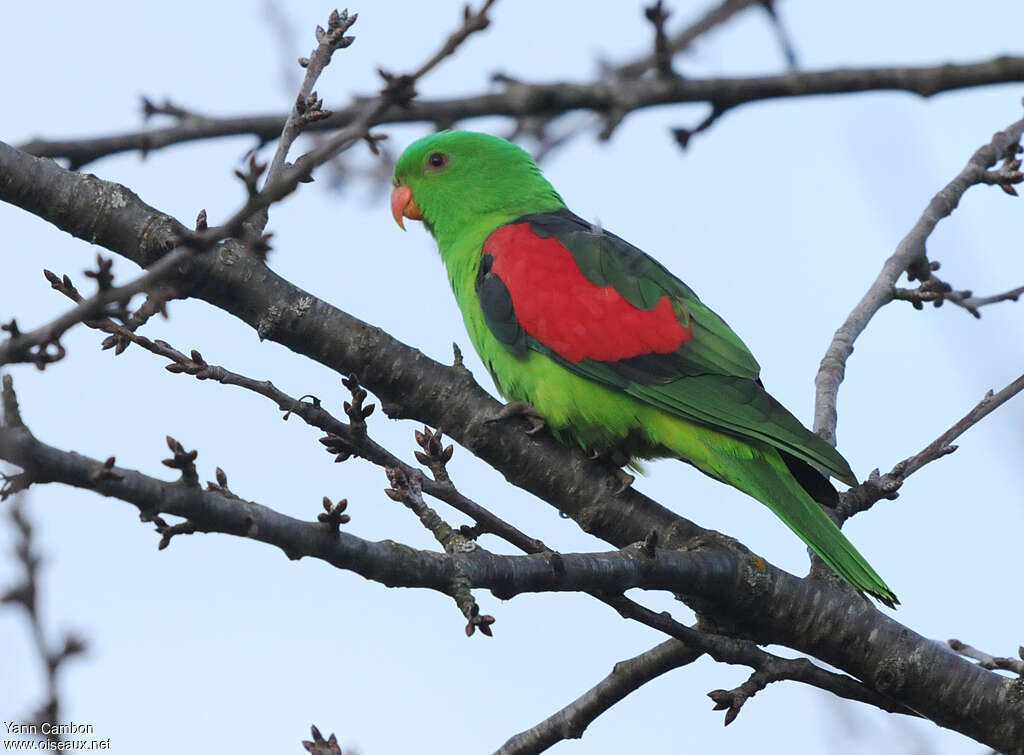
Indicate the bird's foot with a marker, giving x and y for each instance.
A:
(624, 478)
(520, 409)
(615, 461)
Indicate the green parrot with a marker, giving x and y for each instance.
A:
(615, 353)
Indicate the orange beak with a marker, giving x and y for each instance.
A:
(403, 205)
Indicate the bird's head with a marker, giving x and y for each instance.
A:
(454, 178)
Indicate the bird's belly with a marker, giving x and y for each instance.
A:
(577, 410)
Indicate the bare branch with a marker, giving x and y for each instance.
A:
(941, 445)
(26, 595)
(714, 17)
(472, 21)
(785, 43)
(993, 663)
(877, 487)
(744, 652)
(342, 439)
(657, 14)
(936, 291)
(32, 346)
(521, 99)
(626, 677)
(910, 257)
(399, 89)
(973, 303)
(308, 108)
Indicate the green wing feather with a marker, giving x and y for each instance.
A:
(711, 379)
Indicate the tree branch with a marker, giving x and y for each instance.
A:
(32, 346)
(986, 661)
(910, 257)
(714, 17)
(308, 108)
(521, 100)
(626, 677)
(936, 291)
(342, 439)
(26, 595)
(876, 487)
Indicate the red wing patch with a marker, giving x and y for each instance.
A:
(560, 308)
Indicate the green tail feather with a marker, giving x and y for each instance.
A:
(768, 480)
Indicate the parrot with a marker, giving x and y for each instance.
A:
(614, 354)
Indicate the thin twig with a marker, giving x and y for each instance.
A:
(472, 21)
(26, 595)
(973, 303)
(676, 44)
(399, 90)
(408, 490)
(991, 662)
(942, 445)
(936, 291)
(785, 43)
(32, 346)
(308, 108)
(657, 14)
(626, 677)
(877, 487)
(355, 441)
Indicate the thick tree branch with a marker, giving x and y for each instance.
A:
(521, 100)
(910, 257)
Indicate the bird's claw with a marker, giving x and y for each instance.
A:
(615, 461)
(520, 409)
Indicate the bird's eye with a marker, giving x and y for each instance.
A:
(437, 160)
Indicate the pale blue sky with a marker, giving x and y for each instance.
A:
(779, 217)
